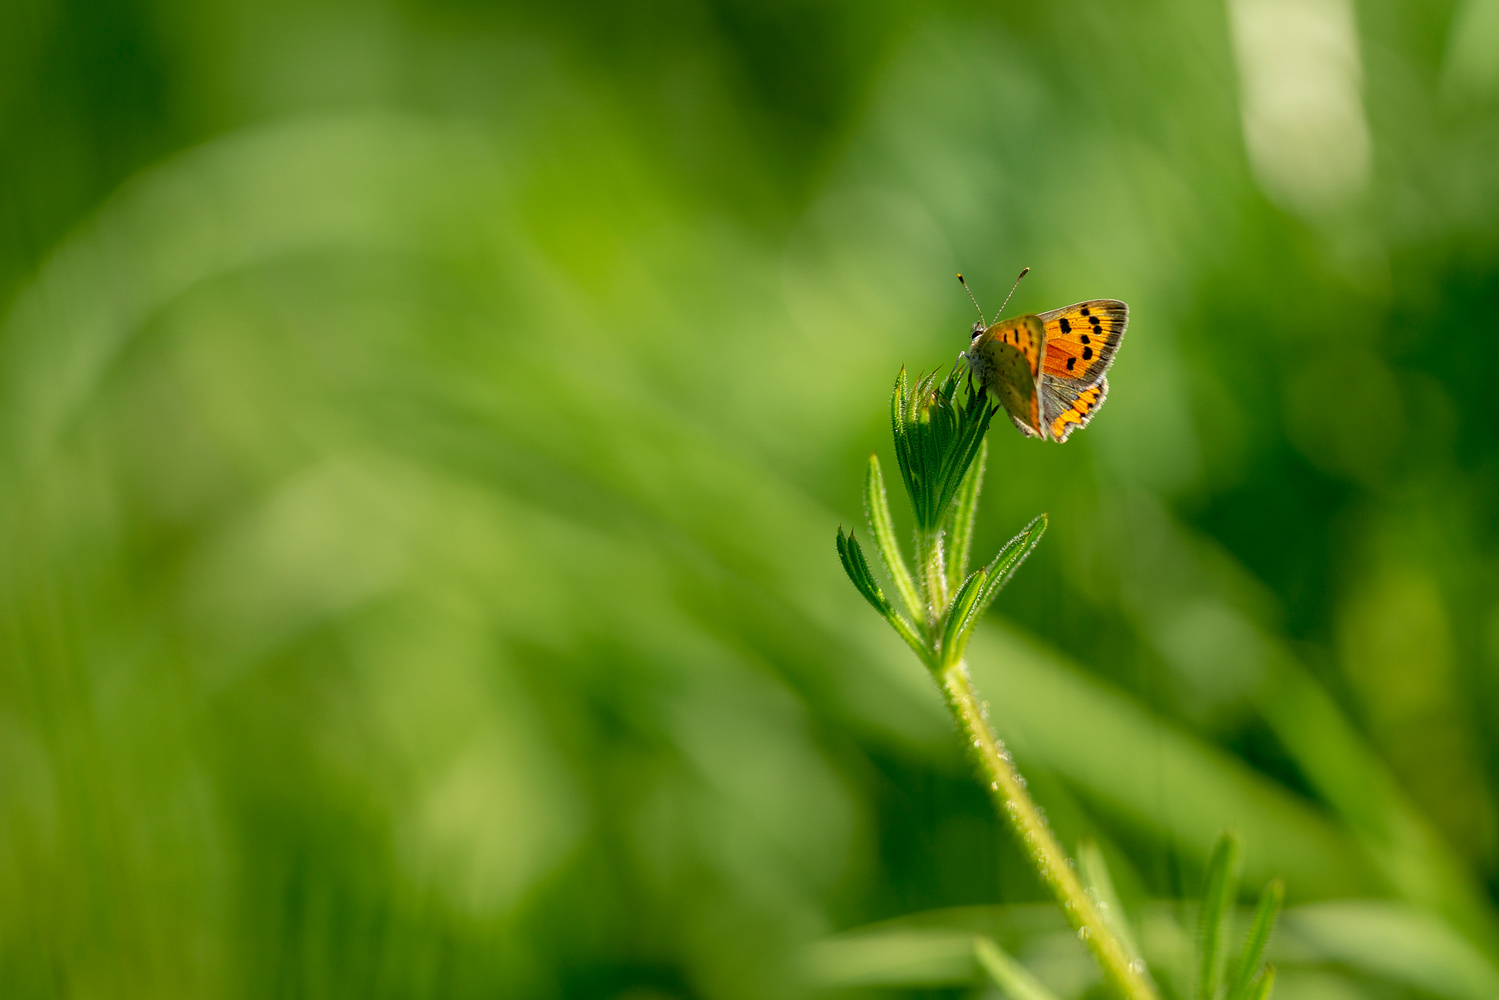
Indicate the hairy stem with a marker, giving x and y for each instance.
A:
(932, 559)
(1124, 974)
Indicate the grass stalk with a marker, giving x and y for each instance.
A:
(1127, 977)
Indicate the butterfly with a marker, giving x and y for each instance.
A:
(1048, 370)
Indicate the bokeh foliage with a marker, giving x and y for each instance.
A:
(423, 425)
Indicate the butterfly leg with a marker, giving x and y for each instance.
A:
(968, 364)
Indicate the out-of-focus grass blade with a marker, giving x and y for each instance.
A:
(934, 948)
(1390, 942)
(1219, 890)
(922, 957)
(1014, 979)
(1259, 935)
(1095, 874)
(1263, 984)
(965, 509)
(1096, 737)
(877, 508)
(1342, 766)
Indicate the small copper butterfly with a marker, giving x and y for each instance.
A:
(1048, 370)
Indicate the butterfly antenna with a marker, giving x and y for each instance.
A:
(974, 300)
(1023, 272)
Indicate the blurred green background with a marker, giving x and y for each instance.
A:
(423, 429)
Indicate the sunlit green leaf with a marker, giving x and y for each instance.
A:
(1220, 889)
(1004, 565)
(964, 513)
(877, 507)
(1014, 980)
(960, 615)
(857, 568)
(1263, 984)
(937, 438)
(1260, 928)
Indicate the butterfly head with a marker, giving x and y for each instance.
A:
(983, 324)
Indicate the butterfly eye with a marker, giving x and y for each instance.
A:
(978, 330)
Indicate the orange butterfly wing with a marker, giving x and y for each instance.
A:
(1078, 410)
(1048, 369)
(1009, 355)
(1081, 339)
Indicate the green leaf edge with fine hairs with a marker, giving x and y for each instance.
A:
(908, 452)
(1220, 888)
(1015, 551)
(980, 590)
(854, 564)
(882, 527)
(960, 618)
(857, 567)
(964, 515)
(969, 440)
(927, 452)
(1260, 928)
(898, 427)
(1014, 980)
(936, 441)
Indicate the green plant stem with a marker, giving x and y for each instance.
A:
(1008, 788)
(933, 562)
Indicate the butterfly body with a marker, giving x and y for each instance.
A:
(1048, 370)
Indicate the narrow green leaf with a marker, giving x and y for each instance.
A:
(1262, 985)
(899, 425)
(898, 410)
(958, 623)
(854, 564)
(1260, 928)
(964, 512)
(964, 439)
(929, 454)
(877, 507)
(1220, 889)
(1095, 873)
(1014, 980)
(1009, 559)
(857, 568)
